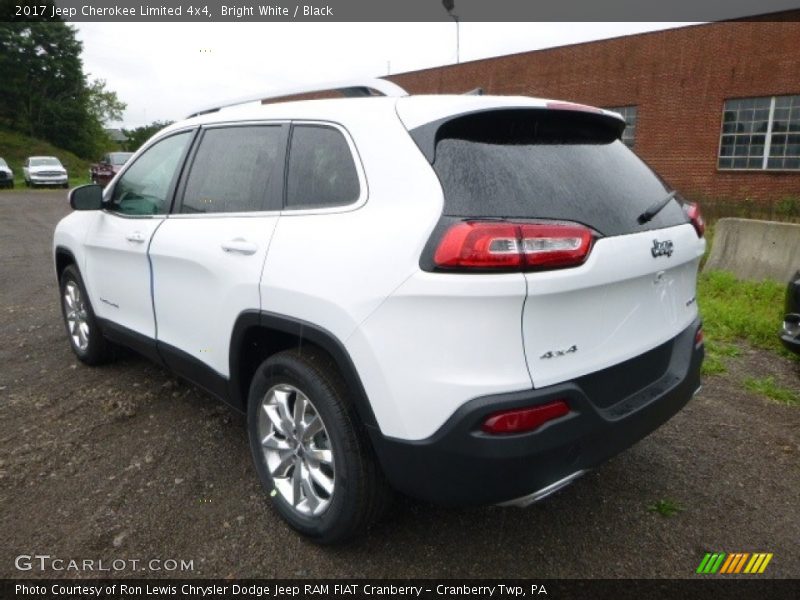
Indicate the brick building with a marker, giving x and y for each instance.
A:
(714, 108)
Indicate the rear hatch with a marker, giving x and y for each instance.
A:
(634, 286)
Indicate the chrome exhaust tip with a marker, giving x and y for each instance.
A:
(543, 493)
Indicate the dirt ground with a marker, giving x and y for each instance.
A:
(125, 461)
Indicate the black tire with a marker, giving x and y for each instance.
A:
(65, 186)
(360, 492)
(98, 349)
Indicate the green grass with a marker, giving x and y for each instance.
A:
(736, 310)
(716, 352)
(666, 508)
(15, 148)
(766, 386)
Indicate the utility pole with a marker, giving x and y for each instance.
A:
(449, 6)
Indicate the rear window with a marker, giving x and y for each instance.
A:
(547, 164)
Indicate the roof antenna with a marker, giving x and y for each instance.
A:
(478, 91)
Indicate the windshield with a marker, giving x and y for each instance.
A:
(3, 163)
(47, 161)
(119, 158)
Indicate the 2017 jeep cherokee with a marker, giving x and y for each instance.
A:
(470, 299)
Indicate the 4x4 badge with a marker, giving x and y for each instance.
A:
(664, 248)
(557, 353)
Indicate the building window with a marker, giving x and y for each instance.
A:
(629, 114)
(761, 133)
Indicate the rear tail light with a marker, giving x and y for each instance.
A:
(698, 338)
(524, 419)
(513, 246)
(696, 217)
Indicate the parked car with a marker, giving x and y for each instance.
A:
(790, 333)
(109, 165)
(470, 299)
(44, 170)
(6, 175)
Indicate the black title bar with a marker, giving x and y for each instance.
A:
(205, 11)
(730, 588)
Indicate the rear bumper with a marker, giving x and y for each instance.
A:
(790, 332)
(462, 466)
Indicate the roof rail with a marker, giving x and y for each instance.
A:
(350, 89)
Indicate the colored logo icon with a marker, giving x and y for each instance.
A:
(736, 562)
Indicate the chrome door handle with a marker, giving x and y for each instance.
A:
(239, 246)
(136, 237)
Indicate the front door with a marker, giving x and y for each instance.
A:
(117, 269)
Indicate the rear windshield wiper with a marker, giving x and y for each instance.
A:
(656, 208)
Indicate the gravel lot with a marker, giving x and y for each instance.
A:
(125, 461)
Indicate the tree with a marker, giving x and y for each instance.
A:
(44, 92)
(139, 135)
(104, 105)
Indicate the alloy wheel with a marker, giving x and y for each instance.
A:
(297, 450)
(76, 315)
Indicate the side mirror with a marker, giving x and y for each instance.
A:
(86, 197)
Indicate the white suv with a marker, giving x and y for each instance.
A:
(470, 299)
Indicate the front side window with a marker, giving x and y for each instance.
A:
(234, 169)
(144, 188)
(629, 114)
(321, 169)
(761, 134)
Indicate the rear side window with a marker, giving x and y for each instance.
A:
(234, 170)
(547, 164)
(321, 169)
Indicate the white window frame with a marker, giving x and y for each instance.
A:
(767, 140)
(619, 109)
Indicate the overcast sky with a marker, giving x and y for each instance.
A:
(165, 70)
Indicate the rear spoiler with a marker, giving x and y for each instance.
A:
(496, 125)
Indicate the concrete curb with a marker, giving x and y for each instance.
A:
(755, 250)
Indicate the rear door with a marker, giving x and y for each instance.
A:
(208, 255)
(636, 288)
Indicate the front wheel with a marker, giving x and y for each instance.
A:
(310, 449)
(84, 333)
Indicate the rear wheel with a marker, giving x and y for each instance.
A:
(84, 333)
(310, 450)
